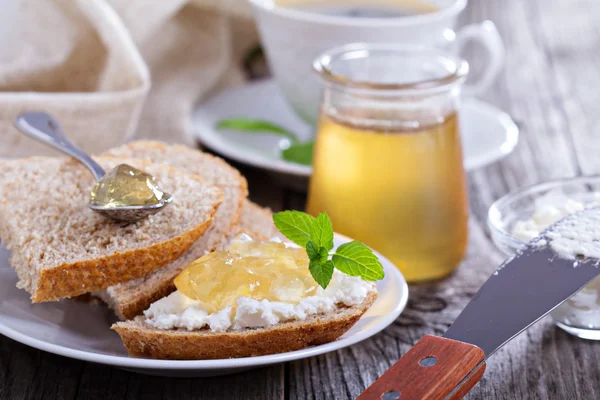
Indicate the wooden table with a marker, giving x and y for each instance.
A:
(551, 88)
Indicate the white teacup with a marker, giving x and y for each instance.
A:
(294, 37)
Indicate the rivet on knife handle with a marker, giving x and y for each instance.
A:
(435, 368)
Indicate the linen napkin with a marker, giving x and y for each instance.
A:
(111, 70)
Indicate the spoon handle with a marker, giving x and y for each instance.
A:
(44, 128)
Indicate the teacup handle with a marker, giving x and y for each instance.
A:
(487, 34)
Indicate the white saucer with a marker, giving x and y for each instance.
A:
(488, 133)
(79, 330)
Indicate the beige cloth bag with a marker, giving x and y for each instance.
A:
(111, 70)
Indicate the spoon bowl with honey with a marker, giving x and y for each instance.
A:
(124, 194)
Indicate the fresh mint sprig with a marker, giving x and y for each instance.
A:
(316, 235)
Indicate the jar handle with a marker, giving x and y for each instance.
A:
(487, 35)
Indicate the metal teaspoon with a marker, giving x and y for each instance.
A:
(44, 128)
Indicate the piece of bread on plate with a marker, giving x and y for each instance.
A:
(132, 298)
(142, 339)
(60, 248)
(256, 219)
(252, 329)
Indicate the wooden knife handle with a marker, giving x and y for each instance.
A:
(435, 368)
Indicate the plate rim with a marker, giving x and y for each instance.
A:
(281, 166)
(221, 364)
(509, 144)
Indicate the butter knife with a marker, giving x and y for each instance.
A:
(522, 290)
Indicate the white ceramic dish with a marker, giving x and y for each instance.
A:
(77, 330)
(488, 133)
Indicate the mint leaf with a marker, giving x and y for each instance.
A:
(294, 225)
(356, 259)
(322, 231)
(316, 235)
(256, 125)
(321, 272)
(316, 253)
(300, 153)
(312, 250)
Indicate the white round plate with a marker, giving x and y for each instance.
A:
(488, 134)
(79, 330)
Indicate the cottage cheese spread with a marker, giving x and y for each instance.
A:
(179, 311)
(548, 210)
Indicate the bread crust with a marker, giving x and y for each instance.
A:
(143, 340)
(66, 280)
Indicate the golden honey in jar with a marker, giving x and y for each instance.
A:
(388, 165)
(126, 186)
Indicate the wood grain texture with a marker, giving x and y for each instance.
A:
(455, 367)
(26, 373)
(550, 88)
(461, 391)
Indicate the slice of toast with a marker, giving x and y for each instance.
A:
(132, 298)
(141, 339)
(60, 248)
(259, 220)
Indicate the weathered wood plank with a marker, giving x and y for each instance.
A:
(571, 39)
(27, 373)
(261, 383)
(526, 90)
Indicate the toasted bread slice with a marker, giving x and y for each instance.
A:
(141, 339)
(257, 219)
(132, 298)
(60, 248)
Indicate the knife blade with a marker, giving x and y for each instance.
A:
(522, 290)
